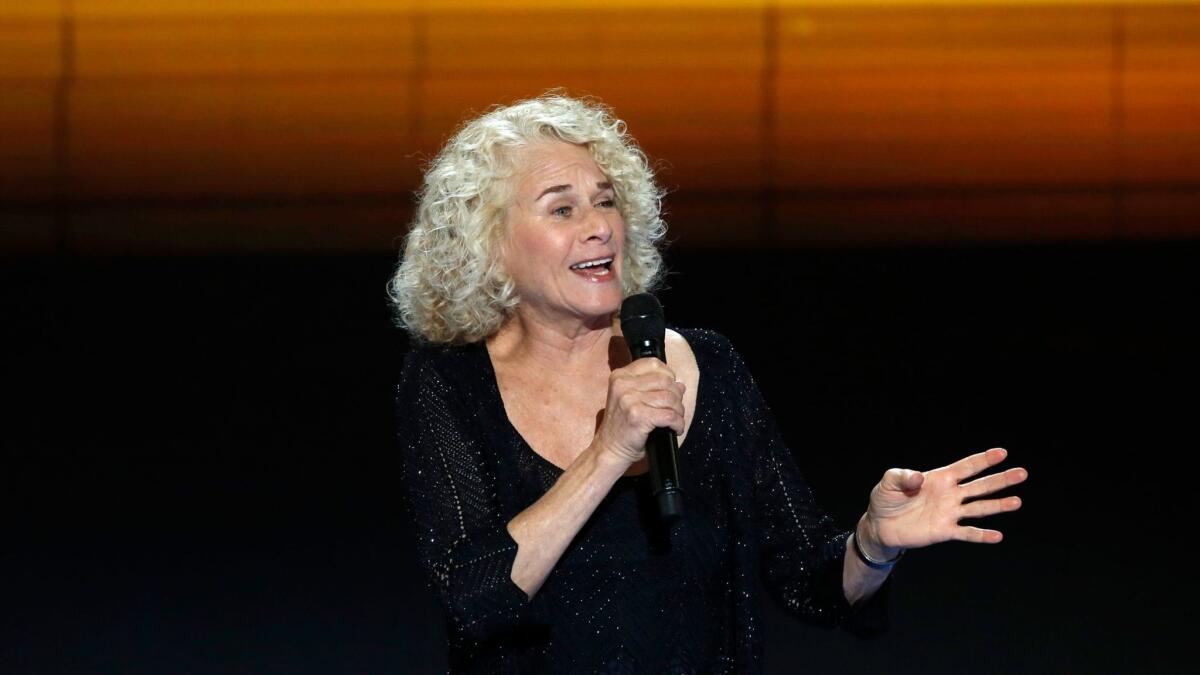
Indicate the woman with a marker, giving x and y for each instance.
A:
(523, 419)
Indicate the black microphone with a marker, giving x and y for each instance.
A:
(645, 332)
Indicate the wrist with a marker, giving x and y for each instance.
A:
(868, 541)
(609, 459)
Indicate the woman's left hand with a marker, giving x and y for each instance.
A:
(910, 509)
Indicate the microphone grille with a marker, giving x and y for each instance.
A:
(642, 318)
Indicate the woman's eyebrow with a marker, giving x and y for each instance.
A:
(556, 189)
(553, 189)
(602, 187)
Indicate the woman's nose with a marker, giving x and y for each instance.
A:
(598, 225)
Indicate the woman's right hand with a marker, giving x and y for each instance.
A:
(642, 396)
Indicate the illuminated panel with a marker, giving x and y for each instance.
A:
(29, 110)
(1161, 95)
(29, 74)
(243, 107)
(1160, 114)
(193, 125)
(688, 84)
(975, 124)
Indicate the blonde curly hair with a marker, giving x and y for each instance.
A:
(449, 286)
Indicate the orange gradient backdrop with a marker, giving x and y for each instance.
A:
(220, 125)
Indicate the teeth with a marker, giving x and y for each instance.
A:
(591, 263)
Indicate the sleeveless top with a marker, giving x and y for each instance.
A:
(629, 595)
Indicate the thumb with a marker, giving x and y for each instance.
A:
(902, 480)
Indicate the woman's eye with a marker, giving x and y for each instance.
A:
(607, 203)
(562, 211)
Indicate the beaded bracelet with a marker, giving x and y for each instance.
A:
(874, 564)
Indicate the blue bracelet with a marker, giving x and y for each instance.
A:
(874, 564)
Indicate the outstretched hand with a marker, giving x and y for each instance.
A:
(911, 509)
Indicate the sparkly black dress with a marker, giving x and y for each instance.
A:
(627, 596)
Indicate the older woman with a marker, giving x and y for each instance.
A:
(523, 420)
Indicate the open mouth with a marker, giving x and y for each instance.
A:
(600, 268)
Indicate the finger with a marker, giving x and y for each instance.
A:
(635, 389)
(644, 372)
(969, 466)
(649, 364)
(987, 507)
(666, 417)
(654, 382)
(674, 406)
(662, 399)
(977, 535)
(994, 482)
(902, 480)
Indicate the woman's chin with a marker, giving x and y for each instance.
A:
(600, 313)
(599, 300)
(592, 314)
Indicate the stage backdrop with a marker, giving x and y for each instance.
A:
(208, 125)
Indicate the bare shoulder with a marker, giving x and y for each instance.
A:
(682, 360)
(681, 357)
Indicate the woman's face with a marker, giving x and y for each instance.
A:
(564, 235)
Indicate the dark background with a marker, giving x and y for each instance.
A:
(200, 475)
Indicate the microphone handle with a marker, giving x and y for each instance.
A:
(662, 447)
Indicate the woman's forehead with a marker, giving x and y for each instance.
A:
(546, 164)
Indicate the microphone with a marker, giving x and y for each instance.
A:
(645, 332)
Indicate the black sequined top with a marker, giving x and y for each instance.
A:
(627, 595)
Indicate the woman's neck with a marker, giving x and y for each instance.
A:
(563, 347)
